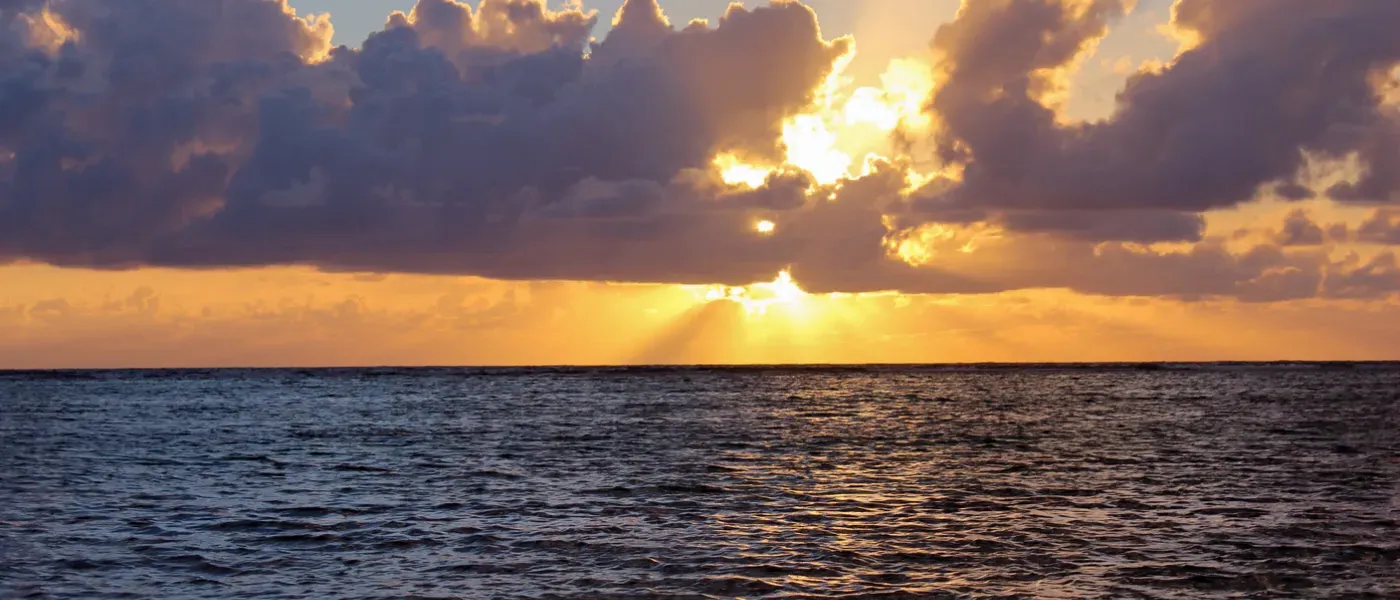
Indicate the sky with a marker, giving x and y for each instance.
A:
(503, 182)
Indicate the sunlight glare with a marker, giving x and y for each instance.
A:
(899, 103)
(735, 172)
(842, 124)
(811, 146)
(759, 297)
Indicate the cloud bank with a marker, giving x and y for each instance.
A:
(504, 141)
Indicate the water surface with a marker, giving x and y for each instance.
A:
(1200, 481)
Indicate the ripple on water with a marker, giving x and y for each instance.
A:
(705, 483)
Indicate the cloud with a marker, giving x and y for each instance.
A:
(1267, 81)
(1300, 230)
(1381, 227)
(1141, 226)
(1354, 277)
(202, 138)
(504, 141)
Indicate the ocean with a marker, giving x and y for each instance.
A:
(1039, 481)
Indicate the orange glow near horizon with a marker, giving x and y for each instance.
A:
(756, 298)
(296, 316)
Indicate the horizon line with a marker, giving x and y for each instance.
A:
(1162, 364)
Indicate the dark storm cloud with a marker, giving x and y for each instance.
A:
(1141, 226)
(180, 133)
(1269, 80)
(504, 142)
(110, 133)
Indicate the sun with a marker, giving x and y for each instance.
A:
(758, 298)
(765, 226)
(782, 291)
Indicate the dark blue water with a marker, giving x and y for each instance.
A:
(1214, 481)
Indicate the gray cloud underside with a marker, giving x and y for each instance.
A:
(201, 134)
(1269, 80)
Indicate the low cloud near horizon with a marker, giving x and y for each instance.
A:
(505, 142)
